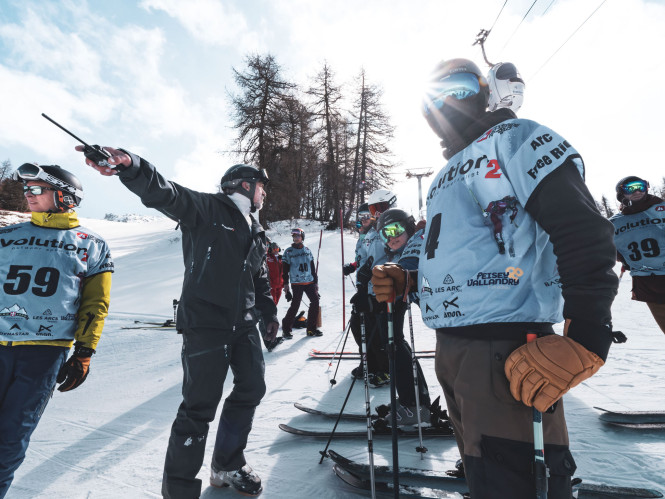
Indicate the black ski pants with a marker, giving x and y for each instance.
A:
(206, 358)
(377, 358)
(312, 315)
(403, 360)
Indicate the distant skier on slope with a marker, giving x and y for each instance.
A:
(56, 283)
(490, 376)
(299, 269)
(224, 249)
(639, 234)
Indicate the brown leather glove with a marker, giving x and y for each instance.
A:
(388, 280)
(541, 371)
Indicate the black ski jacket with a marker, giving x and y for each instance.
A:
(225, 272)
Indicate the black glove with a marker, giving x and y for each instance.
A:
(271, 332)
(288, 295)
(73, 373)
(361, 302)
(349, 268)
(365, 273)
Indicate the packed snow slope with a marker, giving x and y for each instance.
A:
(107, 439)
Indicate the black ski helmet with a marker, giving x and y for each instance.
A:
(396, 215)
(624, 181)
(237, 174)
(68, 192)
(449, 117)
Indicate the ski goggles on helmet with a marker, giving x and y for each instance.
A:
(296, 232)
(458, 86)
(379, 207)
(36, 190)
(634, 186)
(31, 171)
(394, 229)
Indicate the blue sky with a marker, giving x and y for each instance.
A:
(152, 76)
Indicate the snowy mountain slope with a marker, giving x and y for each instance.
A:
(107, 439)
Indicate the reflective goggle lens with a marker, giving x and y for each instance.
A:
(635, 186)
(28, 170)
(458, 86)
(394, 229)
(379, 207)
(296, 233)
(35, 190)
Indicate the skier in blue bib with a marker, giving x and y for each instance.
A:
(639, 234)
(558, 265)
(300, 271)
(56, 283)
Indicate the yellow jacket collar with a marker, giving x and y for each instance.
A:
(67, 220)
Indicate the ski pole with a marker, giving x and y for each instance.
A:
(542, 473)
(333, 381)
(341, 233)
(393, 398)
(324, 452)
(175, 307)
(414, 362)
(370, 444)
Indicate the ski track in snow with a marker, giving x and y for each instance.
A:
(107, 439)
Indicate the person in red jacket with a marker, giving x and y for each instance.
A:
(274, 261)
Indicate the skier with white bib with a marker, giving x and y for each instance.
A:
(561, 268)
(639, 234)
(56, 287)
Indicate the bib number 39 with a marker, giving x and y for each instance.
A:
(20, 277)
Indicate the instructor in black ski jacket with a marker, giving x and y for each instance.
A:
(225, 281)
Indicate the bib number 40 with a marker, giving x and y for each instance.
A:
(20, 277)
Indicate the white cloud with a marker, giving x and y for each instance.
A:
(212, 21)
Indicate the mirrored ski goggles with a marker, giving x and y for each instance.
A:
(36, 190)
(363, 217)
(381, 207)
(458, 86)
(394, 229)
(296, 233)
(30, 171)
(635, 186)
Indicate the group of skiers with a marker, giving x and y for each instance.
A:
(482, 282)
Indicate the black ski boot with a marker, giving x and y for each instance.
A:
(243, 480)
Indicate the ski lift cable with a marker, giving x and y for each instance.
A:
(497, 17)
(520, 24)
(567, 39)
(548, 7)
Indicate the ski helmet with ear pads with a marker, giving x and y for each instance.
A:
(626, 180)
(298, 231)
(381, 200)
(394, 215)
(68, 192)
(506, 87)
(457, 95)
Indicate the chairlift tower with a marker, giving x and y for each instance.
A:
(414, 173)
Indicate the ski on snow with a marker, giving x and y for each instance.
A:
(429, 431)
(167, 324)
(317, 412)
(633, 419)
(356, 356)
(431, 484)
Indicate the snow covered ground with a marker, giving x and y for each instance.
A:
(107, 439)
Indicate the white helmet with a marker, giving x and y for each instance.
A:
(381, 200)
(506, 87)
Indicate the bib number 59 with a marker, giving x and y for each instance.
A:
(19, 278)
